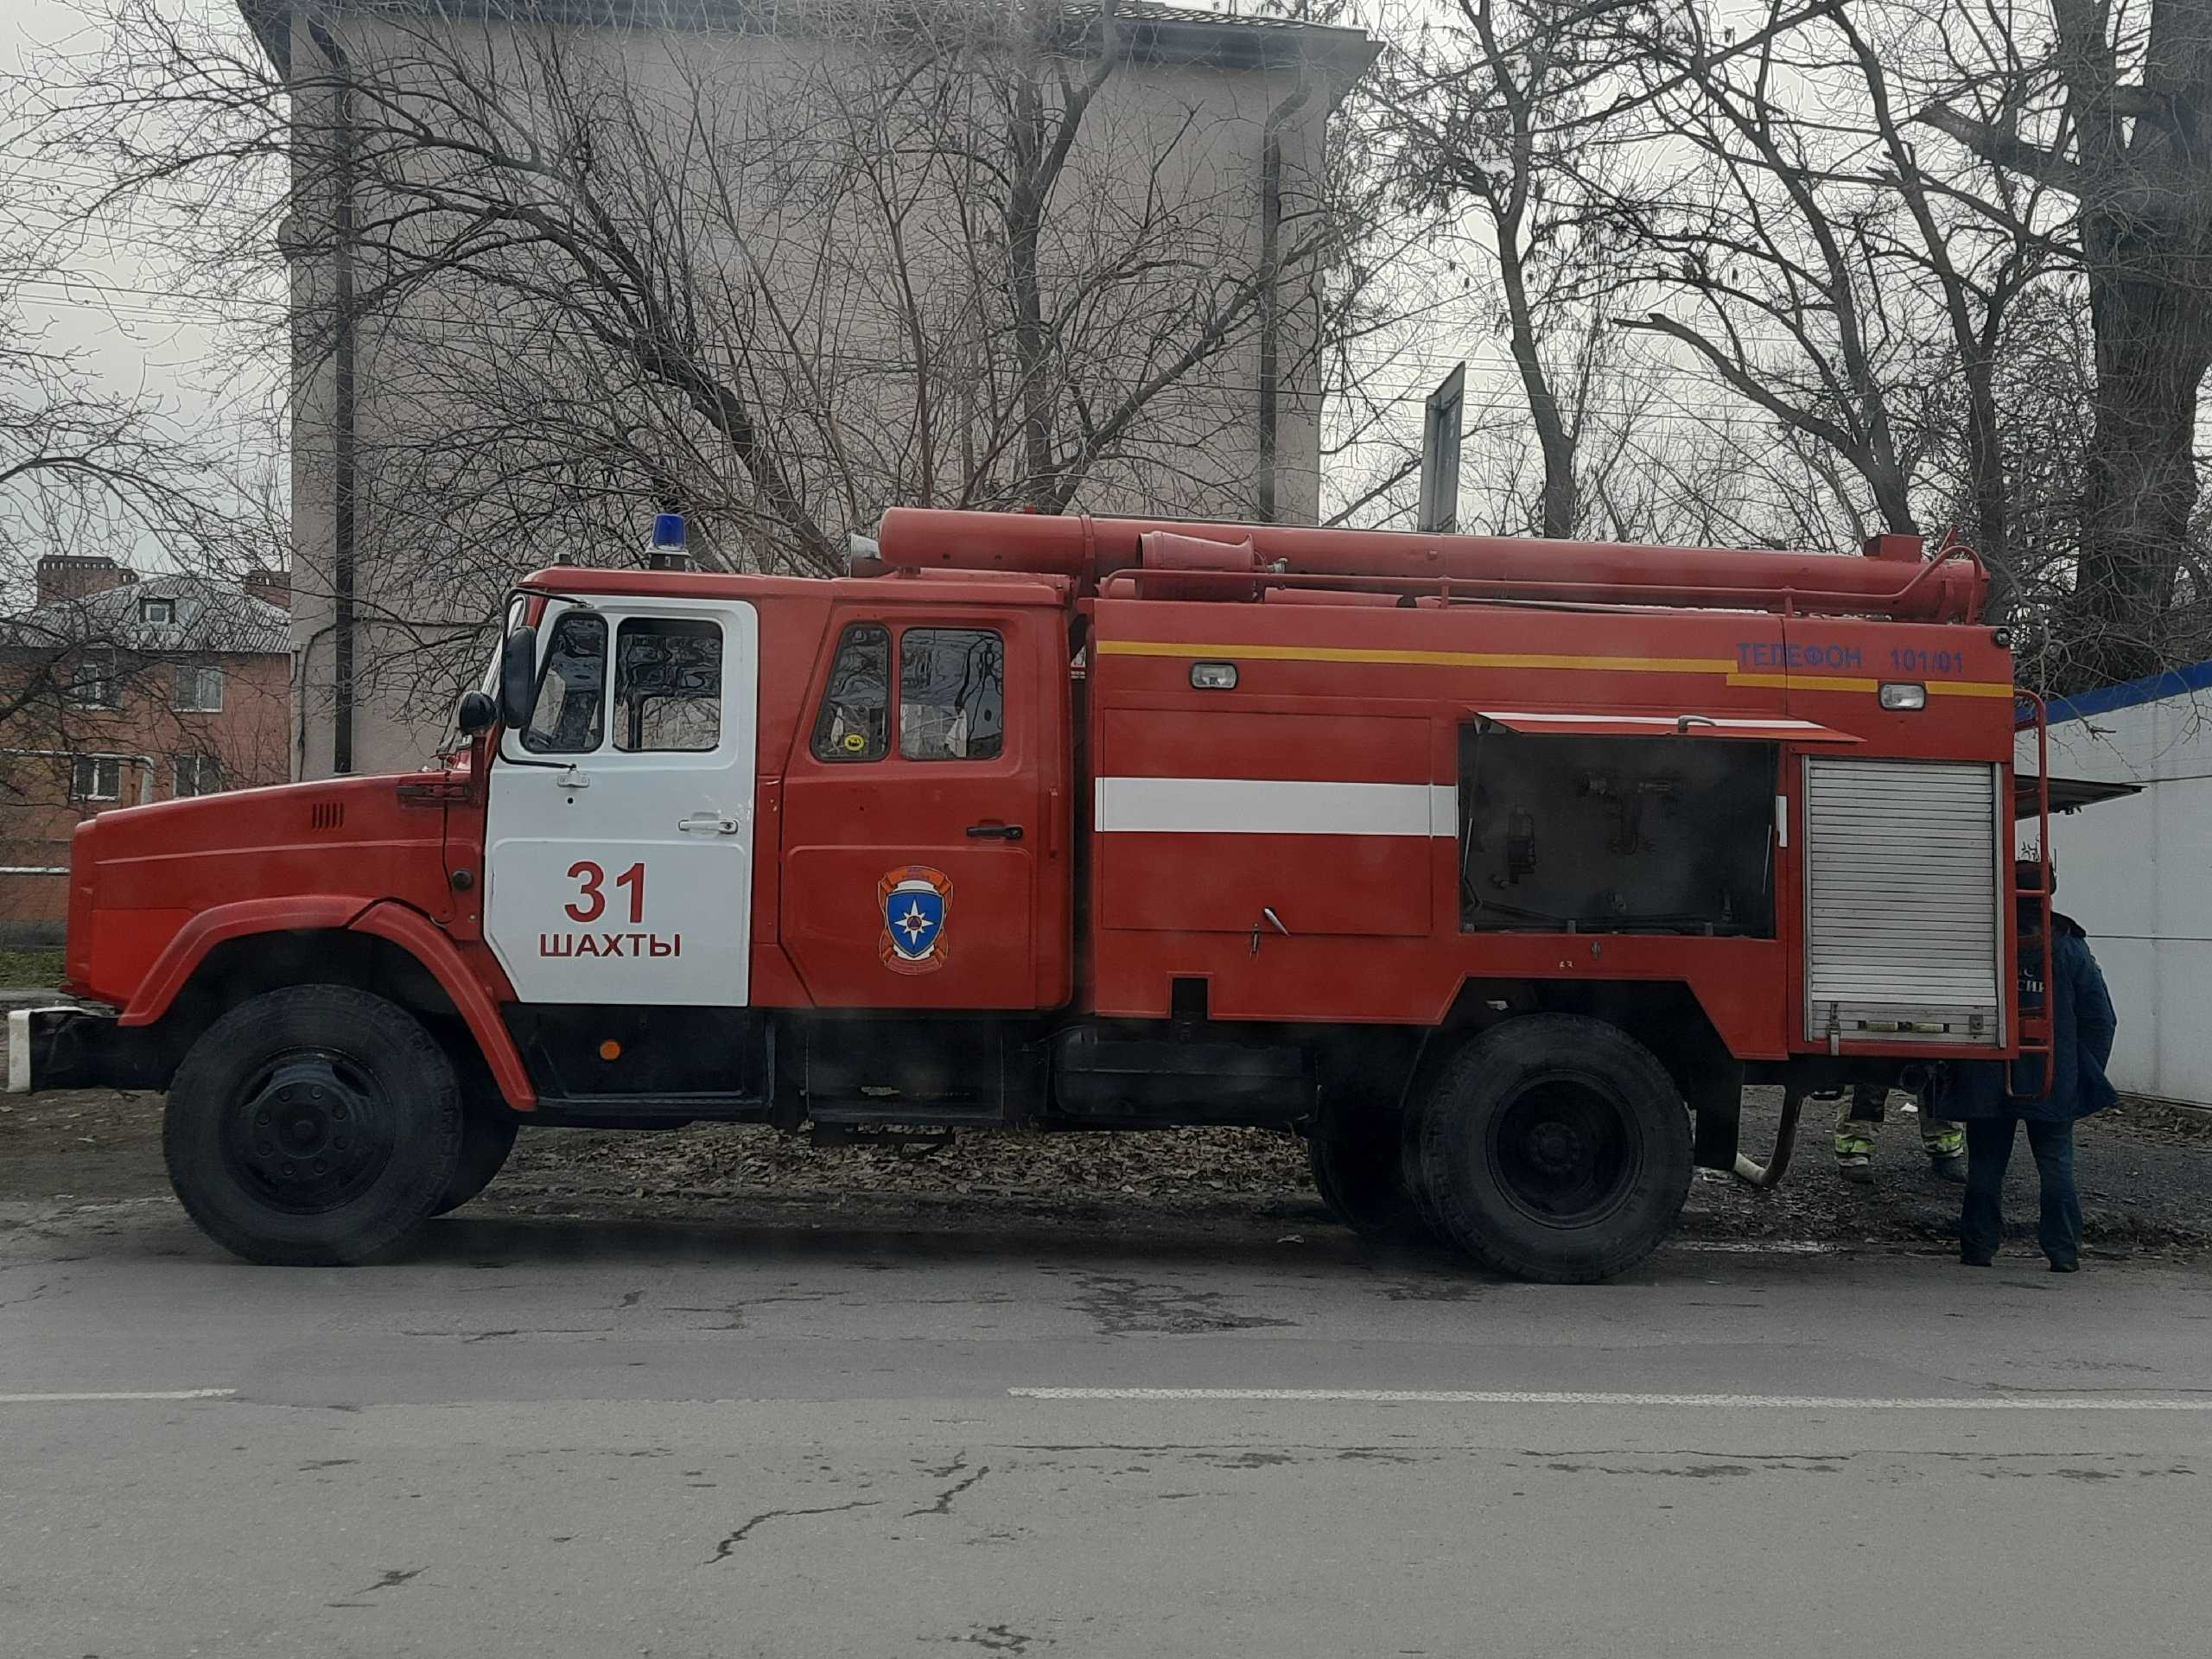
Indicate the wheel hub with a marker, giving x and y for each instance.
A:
(309, 1132)
(1556, 1148)
(1563, 1153)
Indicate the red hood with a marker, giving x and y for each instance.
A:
(138, 874)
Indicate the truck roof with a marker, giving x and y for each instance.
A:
(950, 588)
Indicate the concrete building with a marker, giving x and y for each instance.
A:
(2137, 871)
(126, 690)
(850, 312)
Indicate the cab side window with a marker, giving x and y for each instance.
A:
(855, 719)
(951, 694)
(570, 712)
(668, 684)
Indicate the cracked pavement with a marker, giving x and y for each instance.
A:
(796, 1436)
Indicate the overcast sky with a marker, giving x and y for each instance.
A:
(116, 312)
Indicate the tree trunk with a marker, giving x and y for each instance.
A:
(1988, 484)
(1561, 508)
(2154, 344)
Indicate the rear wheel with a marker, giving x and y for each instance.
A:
(1361, 1178)
(314, 1125)
(1554, 1147)
(487, 1135)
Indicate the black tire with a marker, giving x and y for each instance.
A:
(1361, 1178)
(316, 1126)
(1414, 1182)
(487, 1135)
(1554, 1148)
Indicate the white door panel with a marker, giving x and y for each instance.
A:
(618, 850)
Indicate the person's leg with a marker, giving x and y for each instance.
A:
(2059, 1231)
(1981, 1217)
(1857, 1116)
(1945, 1143)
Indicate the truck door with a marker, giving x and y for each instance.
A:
(618, 837)
(925, 813)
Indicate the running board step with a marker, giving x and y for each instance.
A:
(838, 1134)
(902, 1113)
(648, 1111)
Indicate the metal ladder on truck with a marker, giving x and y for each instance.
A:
(2036, 1031)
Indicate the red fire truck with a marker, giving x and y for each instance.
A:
(1497, 868)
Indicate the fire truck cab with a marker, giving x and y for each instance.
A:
(1495, 869)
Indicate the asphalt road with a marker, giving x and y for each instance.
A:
(585, 1438)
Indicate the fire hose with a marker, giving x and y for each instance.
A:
(1785, 1138)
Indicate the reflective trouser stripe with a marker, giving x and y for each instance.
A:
(1855, 1132)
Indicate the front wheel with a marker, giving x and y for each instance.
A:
(1554, 1148)
(315, 1126)
(487, 1135)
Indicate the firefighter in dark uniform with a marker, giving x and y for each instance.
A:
(1991, 1096)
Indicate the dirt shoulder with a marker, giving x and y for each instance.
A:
(2144, 1172)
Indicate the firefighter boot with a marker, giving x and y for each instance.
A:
(1945, 1143)
(1855, 1144)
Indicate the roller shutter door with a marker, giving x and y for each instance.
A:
(1904, 868)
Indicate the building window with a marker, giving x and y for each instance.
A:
(668, 685)
(951, 694)
(198, 774)
(97, 777)
(199, 688)
(855, 719)
(93, 685)
(157, 610)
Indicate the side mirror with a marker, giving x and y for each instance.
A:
(477, 713)
(519, 678)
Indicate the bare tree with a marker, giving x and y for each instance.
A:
(97, 704)
(940, 255)
(2104, 104)
(1491, 107)
(1782, 261)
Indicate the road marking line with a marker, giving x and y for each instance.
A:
(1540, 1397)
(76, 1399)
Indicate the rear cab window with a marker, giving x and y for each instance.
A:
(855, 716)
(943, 689)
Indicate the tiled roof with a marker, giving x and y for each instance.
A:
(1151, 11)
(211, 616)
(1156, 29)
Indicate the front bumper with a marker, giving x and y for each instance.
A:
(70, 1047)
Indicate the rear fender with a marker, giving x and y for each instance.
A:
(402, 925)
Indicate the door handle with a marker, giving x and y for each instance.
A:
(718, 825)
(995, 832)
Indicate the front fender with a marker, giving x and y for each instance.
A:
(402, 925)
(182, 957)
(422, 939)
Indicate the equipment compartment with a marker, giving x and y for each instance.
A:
(1605, 834)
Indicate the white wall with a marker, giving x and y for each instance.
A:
(2137, 872)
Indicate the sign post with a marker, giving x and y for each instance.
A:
(1439, 454)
